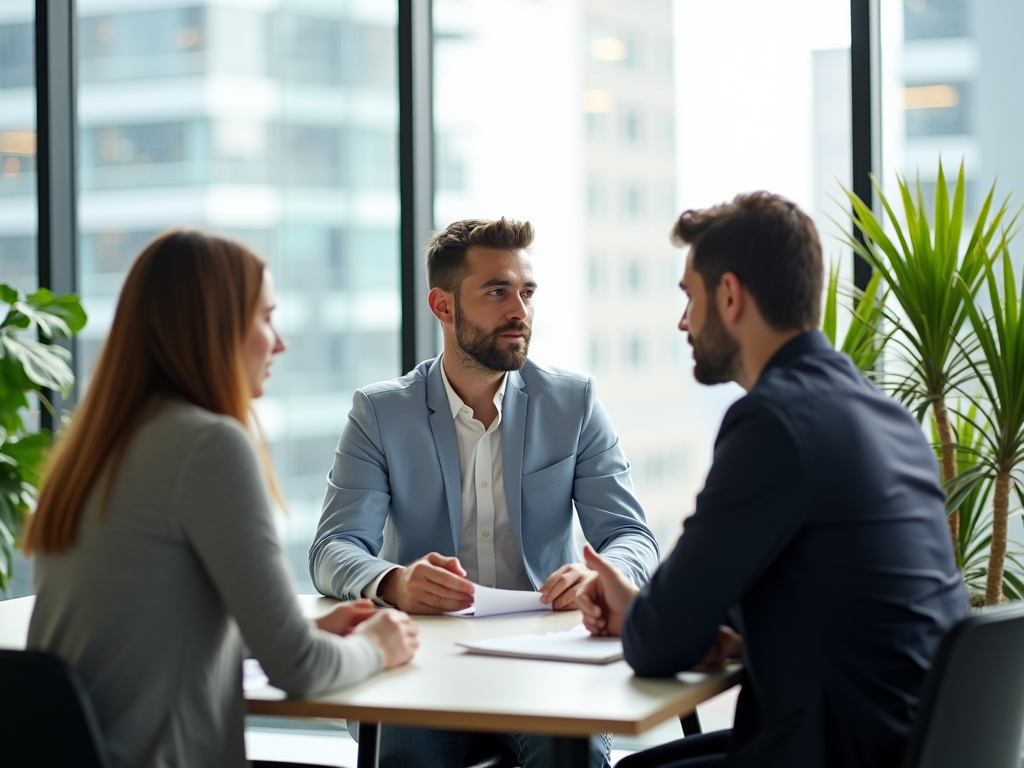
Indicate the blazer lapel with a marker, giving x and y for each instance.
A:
(443, 429)
(513, 439)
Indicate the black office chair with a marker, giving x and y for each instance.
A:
(46, 717)
(972, 704)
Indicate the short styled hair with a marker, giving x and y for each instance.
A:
(770, 245)
(446, 252)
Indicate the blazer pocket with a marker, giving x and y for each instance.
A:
(549, 474)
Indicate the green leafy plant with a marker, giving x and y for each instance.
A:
(27, 366)
(971, 493)
(922, 267)
(999, 371)
(864, 341)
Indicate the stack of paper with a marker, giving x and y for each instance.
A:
(491, 602)
(575, 645)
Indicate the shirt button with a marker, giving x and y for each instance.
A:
(485, 533)
(483, 484)
(465, 409)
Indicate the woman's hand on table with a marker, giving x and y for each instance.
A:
(345, 617)
(394, 634)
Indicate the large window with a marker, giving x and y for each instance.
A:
(617, 116)
(952, 75)
(275, 124)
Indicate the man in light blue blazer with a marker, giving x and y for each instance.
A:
(466, 471)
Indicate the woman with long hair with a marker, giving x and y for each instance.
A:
(156, 556)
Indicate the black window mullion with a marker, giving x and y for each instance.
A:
(56, 161)
(416, 174)
(864, 63)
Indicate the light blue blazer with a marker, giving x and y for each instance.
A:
(395, 490)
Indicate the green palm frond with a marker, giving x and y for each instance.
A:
(864, 339)
(920, 264)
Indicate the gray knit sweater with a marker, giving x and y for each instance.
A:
(152, 603)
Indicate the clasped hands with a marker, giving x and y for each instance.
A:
(392, 632)
(436, 583)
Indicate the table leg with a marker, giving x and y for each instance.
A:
(572, 752)
(691, 724)
(369, 745)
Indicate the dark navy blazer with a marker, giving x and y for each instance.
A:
(821, 534)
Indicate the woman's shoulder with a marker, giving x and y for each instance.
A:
(179, 429)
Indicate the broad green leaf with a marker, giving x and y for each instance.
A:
(65, 307)
(45, 365)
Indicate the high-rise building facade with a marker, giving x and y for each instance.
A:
(638, 356)
(962, 71)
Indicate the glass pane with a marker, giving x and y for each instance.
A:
(952, 75)
(18, 215)
(18, 212)
(275, 124)
(952, 70)
(618, 115)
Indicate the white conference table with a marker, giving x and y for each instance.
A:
(447, 687)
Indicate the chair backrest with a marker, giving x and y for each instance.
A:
(46, 717)
(972, 704)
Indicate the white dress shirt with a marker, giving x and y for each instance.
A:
(487, 549)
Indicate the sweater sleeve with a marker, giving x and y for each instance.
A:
(226, 516)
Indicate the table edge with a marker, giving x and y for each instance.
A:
(494, 722)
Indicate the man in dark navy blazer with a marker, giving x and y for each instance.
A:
(819, 548)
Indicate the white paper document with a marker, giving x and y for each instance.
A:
(492, 602)
(577, 644)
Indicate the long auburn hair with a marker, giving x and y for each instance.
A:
(178, 333)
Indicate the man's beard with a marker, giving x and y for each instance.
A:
(482, 345)
(716, 354)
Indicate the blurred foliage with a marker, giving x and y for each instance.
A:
(28, 365)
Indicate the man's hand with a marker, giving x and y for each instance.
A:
(604, 600)
(344, 617)
(727, 644)
(432, 584)
(395, 636)
(564, 584)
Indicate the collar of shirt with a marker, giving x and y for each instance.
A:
(806, 343)
(456, 403)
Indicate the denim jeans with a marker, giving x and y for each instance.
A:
(402, 747)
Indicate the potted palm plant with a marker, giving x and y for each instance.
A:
(998, 368)
(922, 264)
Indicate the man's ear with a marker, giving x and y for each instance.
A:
(442, 304)
(731, 298)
